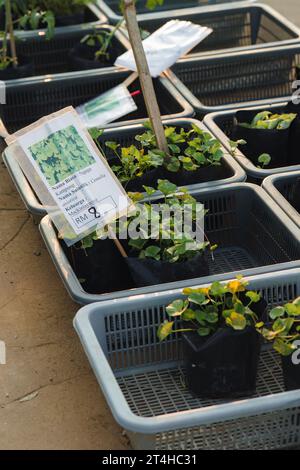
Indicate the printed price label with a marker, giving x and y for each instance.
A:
(60, 157)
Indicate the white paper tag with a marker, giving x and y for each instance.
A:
(166, 45)
(67, 165)
(107, 107)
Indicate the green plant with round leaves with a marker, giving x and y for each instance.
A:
(169, 243)
(206, 310)
(264, 160)
(284, 327)
(268, 120)
(189, 150)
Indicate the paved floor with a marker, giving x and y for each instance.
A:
(289, 8)
(49, 398)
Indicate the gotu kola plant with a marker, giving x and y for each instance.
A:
(205, 310)
(159, 237)
(283, 331)
(266, 136)
(221, 346)
(189, 150)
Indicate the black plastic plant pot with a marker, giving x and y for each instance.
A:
(258, 141)
(51, 56)
(24, 69)
(100, 262)
(291, 373)
(149, 272)
(31, 99)
(223, 366)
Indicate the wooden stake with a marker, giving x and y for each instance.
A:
(117, 242)
(144, 74)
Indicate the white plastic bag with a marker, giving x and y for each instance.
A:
(166, 45)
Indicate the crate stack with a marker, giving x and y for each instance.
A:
(251, 61)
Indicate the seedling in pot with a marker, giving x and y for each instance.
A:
(220, 344)
(283, 331)
(94, 49)
(264, 160)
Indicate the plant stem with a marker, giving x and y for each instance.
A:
(109, 37)
(10, 30)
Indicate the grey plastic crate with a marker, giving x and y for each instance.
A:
(169, 9)
(221, 125)
(51, 56)
(235, 28)
(282, 189)
(143, 379)
(29, 99)
(125, 136)
(237, 79)
(253, 234)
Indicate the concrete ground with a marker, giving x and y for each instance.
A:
(49, 398)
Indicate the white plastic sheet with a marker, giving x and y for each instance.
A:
(166, 45)
(107, 107)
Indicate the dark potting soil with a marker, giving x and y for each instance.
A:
(272, 141)
(291, 373)
(24, 69)
(225, 364)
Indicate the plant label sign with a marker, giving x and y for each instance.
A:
(166, 45)
(107, 107)
(61, 160)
